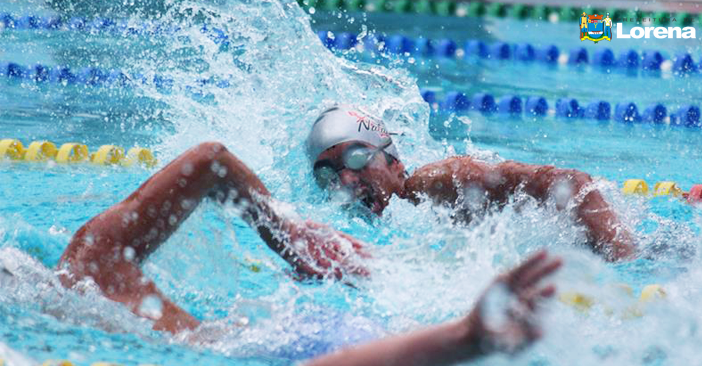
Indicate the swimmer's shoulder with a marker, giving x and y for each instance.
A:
(439, 178)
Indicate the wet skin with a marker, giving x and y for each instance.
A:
(110, 247)
(446, 182)
(471, 336)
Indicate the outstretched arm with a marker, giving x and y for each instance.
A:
(446, 180)
(110, 247)
(474, 336)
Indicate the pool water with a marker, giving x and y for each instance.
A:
(425, 269)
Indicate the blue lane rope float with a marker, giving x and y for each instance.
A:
(564, 108)
(683, 63)
(688, 115)
(105, 25)
(72, 152)
(96, 77)
(680, 64)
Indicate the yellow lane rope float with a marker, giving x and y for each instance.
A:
(11, 149)
(73, 152)
(639, 187)
(40, 151)
(139, 155)
(584, 302)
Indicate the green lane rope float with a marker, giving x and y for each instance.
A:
(496, 10)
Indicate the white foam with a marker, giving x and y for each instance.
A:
(14, 358)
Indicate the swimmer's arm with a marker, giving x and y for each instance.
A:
(110, 247)
(607, 234)
(468, 338)
(445, 181)
(445, 344)
(228, 178)
(122, 280)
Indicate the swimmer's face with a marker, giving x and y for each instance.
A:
(373, 184)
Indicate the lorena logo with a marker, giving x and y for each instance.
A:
(658, 32)
(595, 28)
(598, 28)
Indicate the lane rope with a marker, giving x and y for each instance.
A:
(653, 63)
(123, 27)
(681, 63)
(639, 187)
(564, 108)
(583, 302)
(73, 152)
(97, 77)
(479, 9)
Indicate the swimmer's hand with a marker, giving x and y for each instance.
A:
(505, 317)
(322, 252)
(502, 321)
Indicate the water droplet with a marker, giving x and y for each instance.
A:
(172, 220)
(187, 204)
(151, 307)
(128, 253)
(562, 193)
(495, 307)
(187, 169)
(93, 267)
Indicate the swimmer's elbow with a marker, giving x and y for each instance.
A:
(578, 179)
(214, 146)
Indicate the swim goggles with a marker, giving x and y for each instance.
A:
(355, 157)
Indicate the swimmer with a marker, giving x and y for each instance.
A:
(353, 152)
(111, 246)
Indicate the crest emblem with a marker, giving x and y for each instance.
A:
(595, 28)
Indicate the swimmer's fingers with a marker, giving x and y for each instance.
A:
(519, 271)
(538, 273)
(532, 271)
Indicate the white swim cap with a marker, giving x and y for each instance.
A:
(343, 123)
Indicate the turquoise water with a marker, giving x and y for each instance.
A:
(425, 269)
